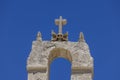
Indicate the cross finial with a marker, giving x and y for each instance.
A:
(60, 22)
(60, 36)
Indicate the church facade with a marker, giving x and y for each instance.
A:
(44, 52)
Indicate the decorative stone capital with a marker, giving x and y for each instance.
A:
(59, 37)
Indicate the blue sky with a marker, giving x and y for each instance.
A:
(21, 20)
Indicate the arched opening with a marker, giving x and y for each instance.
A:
(60, 69)
(53, 58)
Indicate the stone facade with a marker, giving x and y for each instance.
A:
(44, 52)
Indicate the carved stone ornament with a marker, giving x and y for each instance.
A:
(60, 36)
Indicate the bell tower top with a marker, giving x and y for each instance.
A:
(44, 52)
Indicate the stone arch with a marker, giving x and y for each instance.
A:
(58, 52)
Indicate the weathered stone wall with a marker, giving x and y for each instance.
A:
(82, 62)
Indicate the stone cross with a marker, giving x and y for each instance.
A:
(60, 22)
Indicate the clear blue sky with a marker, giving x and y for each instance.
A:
(21, 20)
